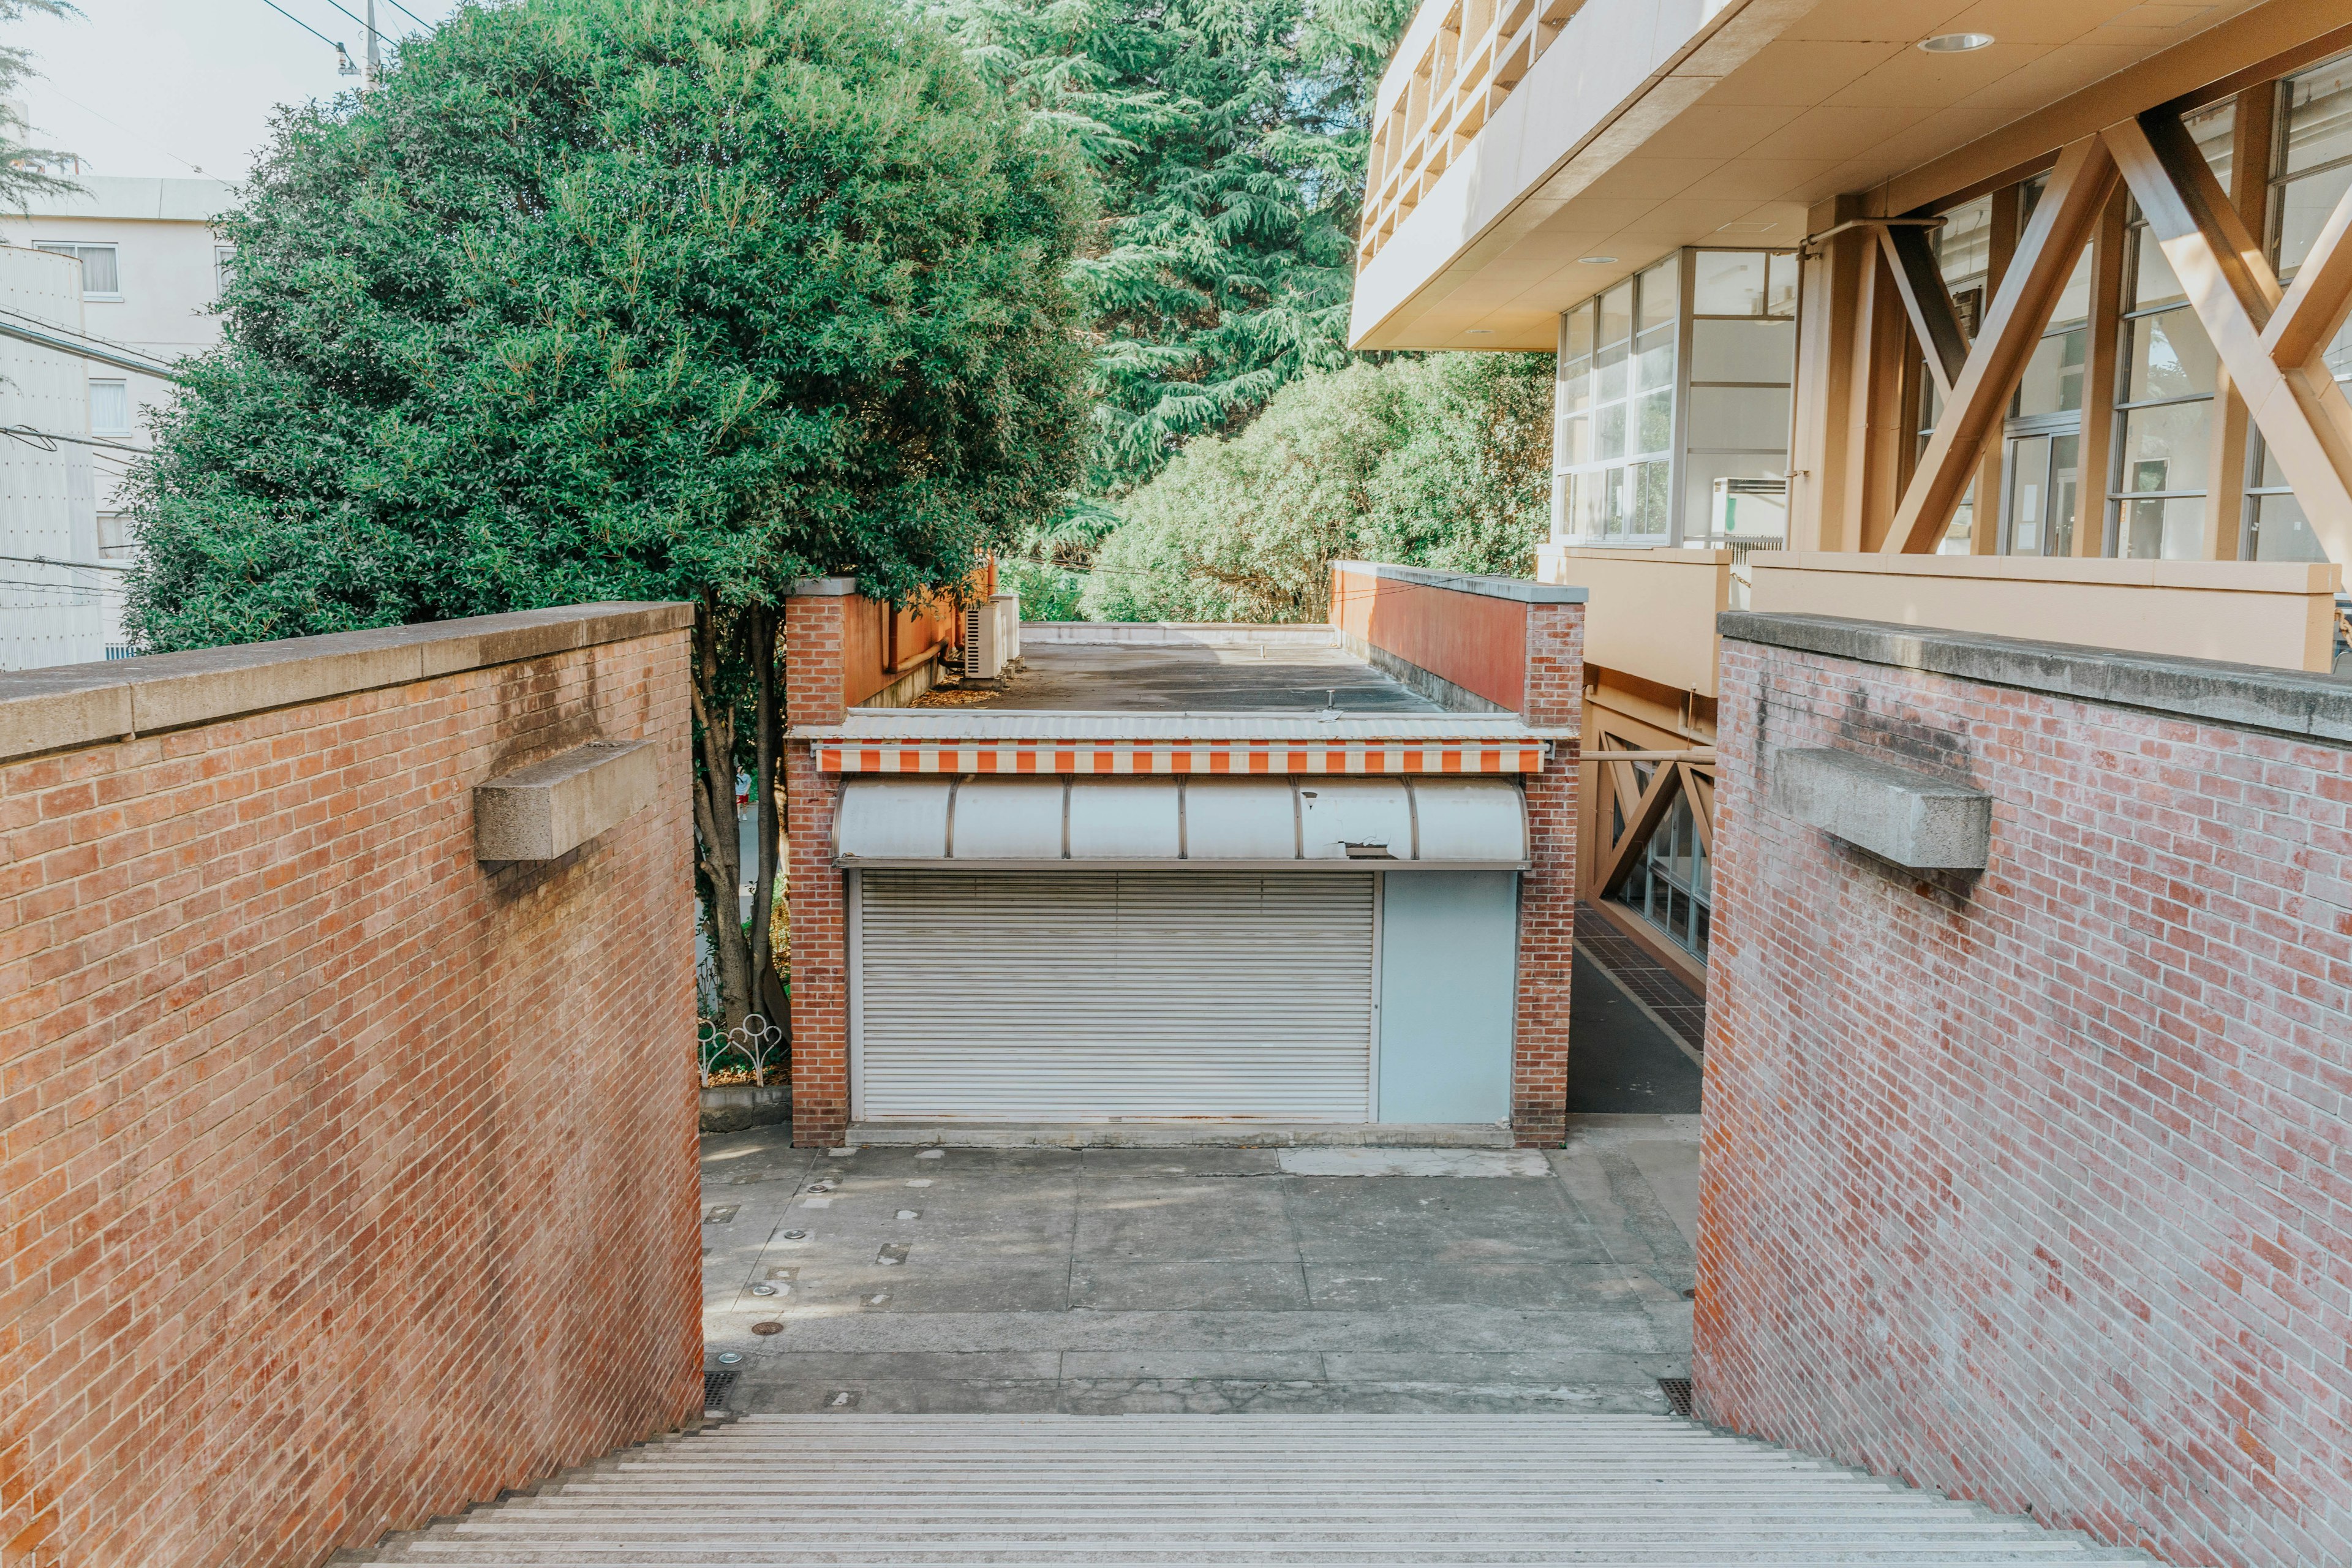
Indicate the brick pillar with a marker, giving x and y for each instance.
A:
(1554, 699)
(813, 887)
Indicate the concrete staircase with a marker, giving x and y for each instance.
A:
(1180, 1489)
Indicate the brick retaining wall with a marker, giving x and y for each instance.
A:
(2036, 1185)
(346, 1181)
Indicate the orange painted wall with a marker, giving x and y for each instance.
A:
(1477, 643)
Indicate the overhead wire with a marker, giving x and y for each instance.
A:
(305, 26)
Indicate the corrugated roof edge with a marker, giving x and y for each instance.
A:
(1518, 588)
(72, 705)
(2291, 702)
(932, 727)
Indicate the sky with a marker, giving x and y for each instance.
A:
(172, 86)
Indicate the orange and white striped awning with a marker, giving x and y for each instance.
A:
(1163, 757)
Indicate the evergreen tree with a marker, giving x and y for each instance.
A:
(597, 299)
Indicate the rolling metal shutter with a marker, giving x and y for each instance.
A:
(1079, 995)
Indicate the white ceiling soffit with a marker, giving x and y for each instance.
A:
(1651, 124)
(1360, 823)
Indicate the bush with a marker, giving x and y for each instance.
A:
(1443, 461)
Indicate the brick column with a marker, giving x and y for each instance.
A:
(812, 888)
(1554, 699)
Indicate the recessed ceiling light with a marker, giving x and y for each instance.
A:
(1955, 43)
(1598, 260)
(1477, 332)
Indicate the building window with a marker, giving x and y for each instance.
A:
(1616, 410)
(224, 257)
(2311, 169)
(1743, 347)
(1653, 395)
(101, 276)
(110, 408)
(2043, 437)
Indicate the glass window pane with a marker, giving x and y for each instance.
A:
(2074, 302)
(1654, 422)
(1575, 334)
(2029, 493)
(2171, 530)
(2165, 447)
(1575, 443)
(2303, 208)
(1964, 244)
(1661, 294)
(110, 408)
(98, 274)
(1563, 521)
(1609, 432)
(1575, 390)
(2211, 128)
(1706, 515)
(2319, 116)
(2065, 494)
(1728, 282)
(1608, 381)
(1612, 503)
(1743, 350)
(1654, 357)
(2153, 282)
(2282, 532)
(1781, 284)
(1750, 418)
(1960, 537)
(1617, 313)
(1650, 499)
(2170, 357)
(2052, 382)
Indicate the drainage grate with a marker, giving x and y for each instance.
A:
(1677, 1392)
(716, 1388)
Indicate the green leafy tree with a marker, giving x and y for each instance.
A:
(599, 300)
(1443, 461)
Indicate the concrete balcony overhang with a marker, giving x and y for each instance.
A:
(1651, 124)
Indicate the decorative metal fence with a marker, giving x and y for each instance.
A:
(751, 1052)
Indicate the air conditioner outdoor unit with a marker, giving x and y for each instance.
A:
(991, 636)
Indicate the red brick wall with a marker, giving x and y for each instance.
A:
(2036, 1186)
(343, 1182)
(1553, 687)
(1470, 639)
(813, 651)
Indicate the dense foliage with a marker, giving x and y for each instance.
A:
(1228, 139)
(1443, 461)
(629, 299)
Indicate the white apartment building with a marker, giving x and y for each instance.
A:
(57, 599)
(150, 271)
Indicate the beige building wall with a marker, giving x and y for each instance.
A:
(56, 599)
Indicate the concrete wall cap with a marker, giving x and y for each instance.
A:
(2238, 696)
(1519, 588)
(78, 705)
(825, 587)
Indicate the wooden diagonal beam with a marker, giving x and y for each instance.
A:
(2302, 412)
(2047, 255)
(1701, 805)
(1617, 861)
(2316, 302)
(1928, 302)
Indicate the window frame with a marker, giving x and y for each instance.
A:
(73, 248)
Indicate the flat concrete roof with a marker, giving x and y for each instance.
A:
(1285, 675)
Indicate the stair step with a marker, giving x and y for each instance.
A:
(1053, 1491)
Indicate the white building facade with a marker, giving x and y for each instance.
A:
(149, 270)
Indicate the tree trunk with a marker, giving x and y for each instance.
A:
(717, 829)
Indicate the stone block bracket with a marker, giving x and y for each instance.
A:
(551, 809)
(1911, 819)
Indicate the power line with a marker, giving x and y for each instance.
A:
(71, 565)
(412, 15)
(50, 88)
(26, 432)
(305, 26)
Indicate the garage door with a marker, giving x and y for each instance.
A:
(1078, 995)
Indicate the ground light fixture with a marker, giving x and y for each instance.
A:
(1955, 43)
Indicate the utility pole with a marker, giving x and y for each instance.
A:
(376, 57)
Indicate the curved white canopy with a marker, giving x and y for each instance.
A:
(1211, 824)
